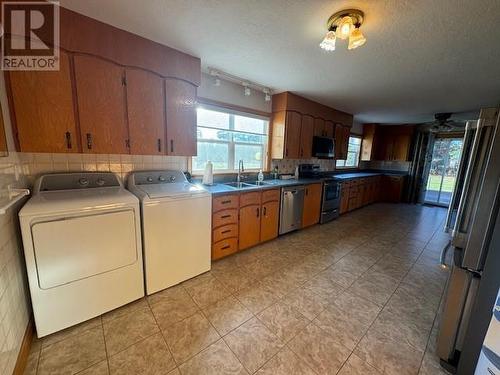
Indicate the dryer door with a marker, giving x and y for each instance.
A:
(71, 249)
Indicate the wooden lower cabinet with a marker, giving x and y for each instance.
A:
(243, 220)
(360, 192)
(225, 225)
(312, 205)
(269, 221)
(392, 188)
(249, 226)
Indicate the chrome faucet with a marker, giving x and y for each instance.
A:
(241, 169)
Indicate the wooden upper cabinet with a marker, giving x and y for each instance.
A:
(269, 221)
(101, 105)
(342, 134)
(319, 127)
(249, 232)
(293, 123)
(368, 143)
(180, 98)
(306, 137)
(401, 147)
(312, 205)
(43, 109)
(146, 112)
(329, 129)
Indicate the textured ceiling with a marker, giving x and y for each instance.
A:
(421, 56)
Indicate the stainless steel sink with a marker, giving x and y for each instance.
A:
(261, 183)
(239, 185)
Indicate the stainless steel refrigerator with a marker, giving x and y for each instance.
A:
(471, 219)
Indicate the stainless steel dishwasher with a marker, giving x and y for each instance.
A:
(292, 205)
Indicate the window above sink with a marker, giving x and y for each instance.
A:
(225, 136)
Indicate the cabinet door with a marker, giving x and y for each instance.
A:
(101, 105)
(312, 205)
(292, 134)
(249, 233)
(339, 136)
(306, 137)
(329, 129)
(269, 222)
(401, 147)
(43, 108)
(146, 112)
(319, 127)
(344, 198)
(180, 99)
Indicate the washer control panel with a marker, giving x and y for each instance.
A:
(157, 177)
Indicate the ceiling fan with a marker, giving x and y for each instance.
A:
(443, 123)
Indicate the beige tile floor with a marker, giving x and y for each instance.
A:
(359, 295)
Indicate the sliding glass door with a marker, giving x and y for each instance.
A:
(443, 171)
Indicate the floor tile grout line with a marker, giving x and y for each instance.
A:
(161, 333)
(357, 344)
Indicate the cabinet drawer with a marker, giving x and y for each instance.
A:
(225, 202)
(270, 195)
(227, 231)
(249, 198)
(224, 248)
(225, 217)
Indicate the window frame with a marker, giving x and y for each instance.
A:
(232, 143)
(358, 159)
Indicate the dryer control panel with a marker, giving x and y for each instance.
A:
(80, 180)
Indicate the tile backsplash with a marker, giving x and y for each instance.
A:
(400, 166)
(34, 164)
(15, 306)
(288, 165)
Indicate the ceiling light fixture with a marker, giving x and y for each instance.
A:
(344, 25)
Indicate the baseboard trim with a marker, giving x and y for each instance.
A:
(24, 352)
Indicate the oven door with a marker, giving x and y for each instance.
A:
(331, 195)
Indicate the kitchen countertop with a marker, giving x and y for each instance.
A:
(221, 188)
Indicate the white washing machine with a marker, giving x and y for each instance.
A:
(82, 243)
(176, 227)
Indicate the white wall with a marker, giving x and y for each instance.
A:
(232, 93)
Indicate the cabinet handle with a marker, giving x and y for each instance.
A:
(225, 216)
(159, 145)
(301, 152)
(307, 191)
(225, 247)
(68, 140)
(265, 210)
(286, 152)
(89, 141)
(171, 145)
(226, 231)
(127, 143)
(225, 202)
(258, 212)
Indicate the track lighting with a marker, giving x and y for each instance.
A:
(267, 95)
(246, 89)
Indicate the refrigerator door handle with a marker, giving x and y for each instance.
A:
(442, 258)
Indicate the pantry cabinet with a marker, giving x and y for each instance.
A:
(146, 112)
(100, 90)
(312, 204)
(181, 117)
(42, 109)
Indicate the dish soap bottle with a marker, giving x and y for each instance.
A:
(260, 176)
(297, 172)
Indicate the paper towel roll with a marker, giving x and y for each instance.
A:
(208, 175)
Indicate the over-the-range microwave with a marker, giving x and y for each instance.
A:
(323, 147)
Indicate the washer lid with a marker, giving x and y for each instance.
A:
(173, 190)
(53, 202)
